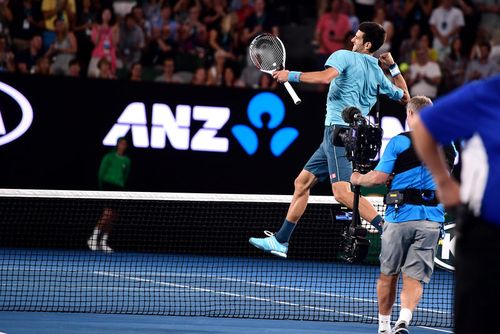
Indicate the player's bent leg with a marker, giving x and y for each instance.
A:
(343, 194)
(277, 244)
(302, 187)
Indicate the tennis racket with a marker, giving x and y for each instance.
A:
(268, 54)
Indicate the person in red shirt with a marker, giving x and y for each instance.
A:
(331, 30)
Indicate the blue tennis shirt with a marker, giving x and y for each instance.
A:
(356, 84)
(473, 113)
(416, 178)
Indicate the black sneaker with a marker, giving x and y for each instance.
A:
(400, 328)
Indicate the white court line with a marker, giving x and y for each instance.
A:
(232, 294)
(252, 298)
(261, 284)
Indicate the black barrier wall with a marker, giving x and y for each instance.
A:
(183, 138)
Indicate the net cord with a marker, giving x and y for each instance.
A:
(168, 196)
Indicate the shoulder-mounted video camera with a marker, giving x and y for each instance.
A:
(362, 140)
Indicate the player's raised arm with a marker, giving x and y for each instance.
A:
(318, 77)
(397, 77)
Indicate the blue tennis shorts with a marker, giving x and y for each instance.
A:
(329, 161)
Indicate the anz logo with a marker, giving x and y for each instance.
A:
(176, 127)
(8, 135)
(271, 104)
(445, 252)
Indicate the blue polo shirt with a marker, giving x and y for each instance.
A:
(416, 178)
(356, 84)
(473, 113)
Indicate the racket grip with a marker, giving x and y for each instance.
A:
(291, 91)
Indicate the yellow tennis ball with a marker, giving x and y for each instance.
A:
(403, 67)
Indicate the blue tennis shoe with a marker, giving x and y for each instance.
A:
(270, 245)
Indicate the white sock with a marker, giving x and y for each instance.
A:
(384, 323)
(96, 233)
(104, 243)
(92, 242)
(405, 315)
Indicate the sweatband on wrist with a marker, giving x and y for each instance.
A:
(294, 76)
(394, 69)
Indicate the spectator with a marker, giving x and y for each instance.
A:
(74, 68)
(455, 65)
(136, 72)
(221, 38)
(85, 19)
(446, 22)
(490, 14)
(229, 79)
(105, 38)
(6, 17)
(380, 18)
(482, 67)
(131, 42)
(243, 12)
(265, 82)
(425, 76)
(7, 63)
(418, 12)
(142, 22)
(199, 77)
(165, 18)
(331, 30)
(424, 43)
(169, 75)
(216, 71)
(105, 69)
(163, 45)
(348, 9)
(152, 9)
(365, 9)
(42, 66)
(54, 10)
(27, 22)
(409, 45)
(27, 59)
(213, 12)
(181, 10)
(495, 49)
(63, 49)
(260, 21)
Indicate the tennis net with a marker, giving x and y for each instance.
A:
(188, 254)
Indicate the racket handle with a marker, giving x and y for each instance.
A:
(291, 91)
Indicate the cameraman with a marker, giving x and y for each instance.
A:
(353, 77)
(413, 219)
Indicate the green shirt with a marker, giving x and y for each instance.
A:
(114, 169)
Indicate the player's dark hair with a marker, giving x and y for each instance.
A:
(373, 33)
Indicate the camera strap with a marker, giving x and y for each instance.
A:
(408, 159)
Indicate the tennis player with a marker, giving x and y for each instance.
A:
(353, 77)
(412, 227)
(472, 113)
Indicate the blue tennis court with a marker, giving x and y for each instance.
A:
(142, 283)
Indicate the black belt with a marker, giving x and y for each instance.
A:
(411, 196)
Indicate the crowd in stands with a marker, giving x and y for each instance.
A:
(439, 44)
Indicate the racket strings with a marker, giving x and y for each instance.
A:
(267, 53)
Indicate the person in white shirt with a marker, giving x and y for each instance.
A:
(425, 76)
(446, 22)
